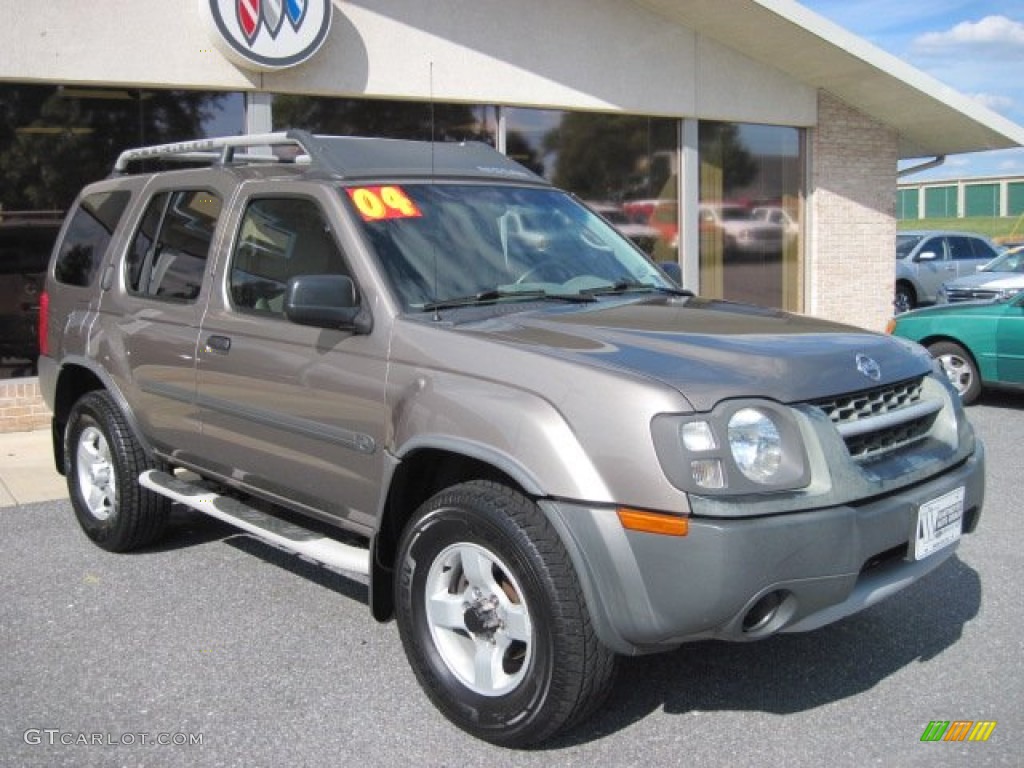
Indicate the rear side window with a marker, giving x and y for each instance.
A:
(167, 257)
(88, 236)
(982, 250)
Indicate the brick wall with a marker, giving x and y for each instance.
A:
(21, 406)
(853, 199)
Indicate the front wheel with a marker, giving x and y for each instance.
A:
(905, 298)
(959, 368)
(102, 462)
(493, 619)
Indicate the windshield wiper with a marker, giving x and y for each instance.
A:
(626, 285)
(496, 294)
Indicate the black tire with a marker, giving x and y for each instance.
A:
(507, 679)
(905, 298)
(960, 369)
(102, 462)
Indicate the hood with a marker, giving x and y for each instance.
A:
(750, 225)
(990, 280)
(710, 350)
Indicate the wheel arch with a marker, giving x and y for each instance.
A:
(76, 379)
(985, 369)
(938, 338)
(911, 289)
(422, 471)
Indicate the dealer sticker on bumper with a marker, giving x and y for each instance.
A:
(939, 523)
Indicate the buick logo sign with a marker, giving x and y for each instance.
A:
(267, 34)
(869, 367)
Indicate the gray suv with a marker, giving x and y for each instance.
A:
(926, 259)
(423, 365)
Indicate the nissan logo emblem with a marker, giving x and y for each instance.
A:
(869, 367)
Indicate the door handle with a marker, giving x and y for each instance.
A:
(218, 344)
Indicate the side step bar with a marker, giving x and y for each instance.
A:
(267, 527)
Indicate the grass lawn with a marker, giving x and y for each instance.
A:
(997, 228)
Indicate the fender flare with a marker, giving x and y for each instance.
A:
(110, 386)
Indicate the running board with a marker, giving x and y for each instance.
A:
(267, 527)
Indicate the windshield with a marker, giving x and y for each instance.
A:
(905, 244)
(1011, 261)
(442, 242)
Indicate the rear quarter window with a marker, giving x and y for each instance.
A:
(88, 237)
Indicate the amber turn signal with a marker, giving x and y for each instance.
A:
(653, 522)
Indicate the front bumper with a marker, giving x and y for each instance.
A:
(648, 592)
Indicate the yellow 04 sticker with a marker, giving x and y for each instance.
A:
(379, 203)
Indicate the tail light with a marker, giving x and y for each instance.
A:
(44, 323)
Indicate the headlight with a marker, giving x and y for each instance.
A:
(941, 296)
(756, 445)
(1008, 293)
(741, 447)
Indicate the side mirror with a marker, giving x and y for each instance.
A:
(927, 256)
(325, 301)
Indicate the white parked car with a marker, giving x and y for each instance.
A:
(1001, 278)
(741, 232)
(925, 259)
(775, 214)
(643, 235)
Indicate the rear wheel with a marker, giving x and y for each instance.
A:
(959, 368)
(493, 619)
(102, 462)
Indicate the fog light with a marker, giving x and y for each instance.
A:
(707, 473)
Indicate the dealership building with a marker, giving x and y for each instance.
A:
(681, 114)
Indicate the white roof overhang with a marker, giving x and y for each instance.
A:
(929, 117)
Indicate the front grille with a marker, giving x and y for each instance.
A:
(877, 421)
(969, 294)
(762, 235)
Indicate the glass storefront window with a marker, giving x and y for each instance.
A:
(750, 213)
(421, 121)
(55, 139)
(625, 166)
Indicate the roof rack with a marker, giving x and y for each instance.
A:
(344, 157)
(222, 151)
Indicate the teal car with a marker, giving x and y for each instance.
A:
(978, 344)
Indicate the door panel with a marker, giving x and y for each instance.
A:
(292, 411)
(1010, 344)
(933, 273)
(965, 255)
(159, 311)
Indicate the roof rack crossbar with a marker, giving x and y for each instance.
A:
(218, 150)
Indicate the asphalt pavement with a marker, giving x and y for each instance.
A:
(214, 649)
